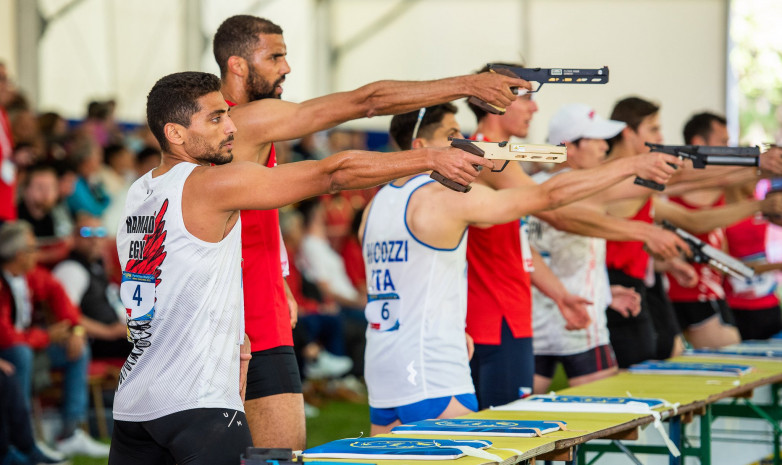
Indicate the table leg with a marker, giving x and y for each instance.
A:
(675, 433)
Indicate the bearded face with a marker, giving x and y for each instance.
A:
(260, 88)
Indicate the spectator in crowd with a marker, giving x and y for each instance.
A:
(26, 326)
(84, 278)
(314, 362)
(7, 166)
(38, 206)
(99, 124)
(17, 444)
(54, 131)
(89, 195)
(117, 174)
(146, 160)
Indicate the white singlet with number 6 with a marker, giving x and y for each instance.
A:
(183, 299)
(416, 308)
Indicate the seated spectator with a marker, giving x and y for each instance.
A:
(116, 176)
(17, 444)
(54, 130)
(318, 320)
(84, 278)
(89, 195)
(38, 206)
(36, 315)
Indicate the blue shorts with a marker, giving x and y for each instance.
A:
(426, 409)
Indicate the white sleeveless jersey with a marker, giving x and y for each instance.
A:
(183, 297)
(416, 309)
(579, 262)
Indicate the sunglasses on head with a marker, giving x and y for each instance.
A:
(86, 231)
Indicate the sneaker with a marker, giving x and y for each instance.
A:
(80, 443)
(39, 457)
(310, 411)
(48, 451)
(328, 365)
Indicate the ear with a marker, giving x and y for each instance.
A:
(418, 143)
(174, 133)
(237, 65)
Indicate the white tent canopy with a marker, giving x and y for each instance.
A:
(670, 51)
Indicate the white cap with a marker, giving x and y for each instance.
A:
(576, 120)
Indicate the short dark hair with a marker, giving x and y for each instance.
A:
(402, 125)
(146, 153)
(479, 112)
(41, 167)
(701, 125)
(112, 151)
(174, 99)
(238, 36)
(632, 111)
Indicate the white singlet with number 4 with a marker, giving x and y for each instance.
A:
(416, 307)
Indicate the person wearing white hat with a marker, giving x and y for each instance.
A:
(579, 263)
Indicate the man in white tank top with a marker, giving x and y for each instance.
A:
(179, 399)
(416, 363)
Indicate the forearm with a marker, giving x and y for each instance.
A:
(359, 170)
(590, 221)
(396, 97)
(545, 279)
(705, 220)
(577, 184)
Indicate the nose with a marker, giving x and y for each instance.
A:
(533, 106)
(285, 69)
(230, 127)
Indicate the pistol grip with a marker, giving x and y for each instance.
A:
(650, 184)
(449, 183)
(485, 106)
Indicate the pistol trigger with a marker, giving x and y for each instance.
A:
(503, 167)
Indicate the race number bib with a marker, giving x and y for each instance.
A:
(758, 286)
(137, 292)
(382, 311)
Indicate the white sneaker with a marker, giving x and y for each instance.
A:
(80, 443)
(310, 411)
(48, 451)
(328, 365)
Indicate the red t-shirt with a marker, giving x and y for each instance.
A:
(498, 285)
(709, 285)
(8, 178)
(266, 316)
(747, 241)
(630, 257)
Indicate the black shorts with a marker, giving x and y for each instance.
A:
(758, 324)
(208, 436)
(634, 338)
(505, 372)
(666, 326)
(692, 314)
(271, 372)
(585, 363)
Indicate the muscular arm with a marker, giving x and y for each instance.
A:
(704, 220)
(506, 204)
(588, 219)
(249, 186)
(270, 120)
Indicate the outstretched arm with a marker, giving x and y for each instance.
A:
(705, 220)
(249, 186)
(588, 219)
(506, 204)
(271, 120)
